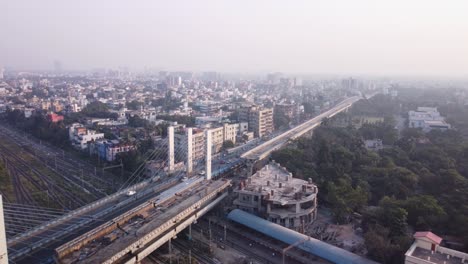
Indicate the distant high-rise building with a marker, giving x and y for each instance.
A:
(2, 70)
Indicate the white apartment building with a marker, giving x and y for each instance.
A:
(218, 136)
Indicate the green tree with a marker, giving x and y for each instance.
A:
(393, 216)
(424, 212)
(134, 105)
(344, 199)
(280, 120)
(98, 109)
(228, 144)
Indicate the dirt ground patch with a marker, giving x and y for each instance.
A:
(346, 236)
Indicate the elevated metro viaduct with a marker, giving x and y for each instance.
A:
(257, 157)
(134, 235)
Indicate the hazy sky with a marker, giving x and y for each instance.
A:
(410, 37)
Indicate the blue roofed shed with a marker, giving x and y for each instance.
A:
(288, 236)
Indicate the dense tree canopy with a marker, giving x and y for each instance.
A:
(418, 180)
(98, 109)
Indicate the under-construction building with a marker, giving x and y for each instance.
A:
(275, 195)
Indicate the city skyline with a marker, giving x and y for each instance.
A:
(419, 38)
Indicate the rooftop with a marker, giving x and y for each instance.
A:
(277, 182)
(435, 257)
(427, 234)
(426, 249)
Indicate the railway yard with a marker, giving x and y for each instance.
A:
(35, 168)
(41, 182)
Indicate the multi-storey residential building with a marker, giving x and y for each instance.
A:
(231, 131)
(81, 136)
(227, 132)
(198, 144)
(209, 108)
(272, 193)
(217, 138)
(108, 149)
(219, 135)
(260, 120)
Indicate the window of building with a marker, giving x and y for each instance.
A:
(307, 205)
(283, 222)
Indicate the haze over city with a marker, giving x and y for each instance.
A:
(422, 38)
(234, 132)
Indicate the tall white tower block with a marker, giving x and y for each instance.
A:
(170, 136)
(3, 243)
(189, 151)
(208, 154)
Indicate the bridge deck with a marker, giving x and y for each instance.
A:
(105, 248)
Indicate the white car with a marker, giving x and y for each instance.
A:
(131, 193)
(202, 172)
(184, 179)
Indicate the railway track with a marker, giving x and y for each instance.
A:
(21, 171)
(197, 252)
(234, 243)
(51, 156)
(43, 182)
